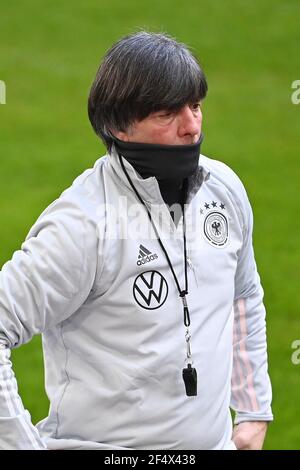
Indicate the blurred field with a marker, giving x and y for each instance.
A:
(49, 53)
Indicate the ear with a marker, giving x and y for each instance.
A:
(122, 136)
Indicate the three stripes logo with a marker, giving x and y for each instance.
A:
(150, 290)
(145, 256)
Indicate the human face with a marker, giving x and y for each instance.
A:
(182, 127)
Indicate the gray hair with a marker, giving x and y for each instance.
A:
(141, 74)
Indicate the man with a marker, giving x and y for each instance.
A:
(142, 279)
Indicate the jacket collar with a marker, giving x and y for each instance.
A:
(148, 188)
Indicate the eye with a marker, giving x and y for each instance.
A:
(165, 114)
(195, 106)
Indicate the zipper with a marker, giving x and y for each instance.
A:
(191, 266)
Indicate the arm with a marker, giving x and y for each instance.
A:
(16, 429)
(43, 284)
(251, 389)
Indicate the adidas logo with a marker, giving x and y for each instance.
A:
(145, 256)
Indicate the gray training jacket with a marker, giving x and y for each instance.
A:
(92, 277)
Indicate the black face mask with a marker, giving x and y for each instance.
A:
(165, 162)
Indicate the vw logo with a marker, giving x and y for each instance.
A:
(150, 290)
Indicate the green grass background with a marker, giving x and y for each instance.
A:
(49, 54)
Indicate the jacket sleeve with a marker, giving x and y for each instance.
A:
(16, 429)
(251, 388)
(44, 283)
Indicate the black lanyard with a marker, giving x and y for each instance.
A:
(182, 293)
(189, 373)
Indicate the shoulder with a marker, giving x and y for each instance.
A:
(86, 191)
(88, 186)
(222, 175)
(78, 206)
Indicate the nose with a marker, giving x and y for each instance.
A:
(190, 120)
